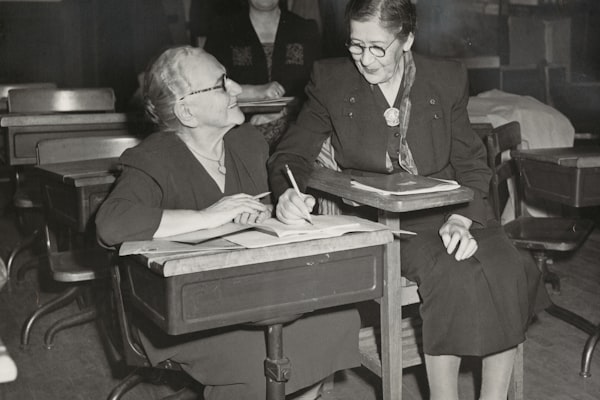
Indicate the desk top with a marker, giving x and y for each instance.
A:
(8, 369)
(578, 157)
(338, 184)
(267, 105)
(23, 120)
(83, 173)
(181, 264)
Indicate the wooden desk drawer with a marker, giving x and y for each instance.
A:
(576, 187)
(74, 206)
(252, 293)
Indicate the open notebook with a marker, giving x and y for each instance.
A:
(269, 233)
(402, 183)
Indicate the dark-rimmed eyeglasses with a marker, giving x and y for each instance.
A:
(222, 85)
(358, 49)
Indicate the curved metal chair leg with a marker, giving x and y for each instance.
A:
(84, 316)
(64, 298)
(22, 245)
(133, 379)
(588, 350)
(24, 268)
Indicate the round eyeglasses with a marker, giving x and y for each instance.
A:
(358, 49)
(222, 85)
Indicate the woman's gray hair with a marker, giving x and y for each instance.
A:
(398, 16)
(166, 82)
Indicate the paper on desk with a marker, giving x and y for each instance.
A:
(403, 184)
(202, 235)
(345, 224)
(158, 248)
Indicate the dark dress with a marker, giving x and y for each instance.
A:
(288, 60)
(161, 173)
(478, 306)
(236, 45)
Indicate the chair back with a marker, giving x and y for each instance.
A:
(52, 151)
(48, 100)
(4, 88)
(499, 142)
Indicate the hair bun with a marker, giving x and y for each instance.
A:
(151, 111)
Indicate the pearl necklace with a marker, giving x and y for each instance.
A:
(220, 161)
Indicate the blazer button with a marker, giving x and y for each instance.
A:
(432, 101)
(352, 100)
(350, 114)
(396, 134)
(436, 116)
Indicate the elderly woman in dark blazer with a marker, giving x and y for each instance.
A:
(389, 110)
(201, 171)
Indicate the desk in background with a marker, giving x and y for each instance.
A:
(390, 210)
(75, 190)
(569, 176)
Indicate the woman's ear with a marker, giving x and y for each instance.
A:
(409, 42)
(184, 115)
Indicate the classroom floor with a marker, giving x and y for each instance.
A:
(78, 368)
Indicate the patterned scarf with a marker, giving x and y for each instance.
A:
(405, 158)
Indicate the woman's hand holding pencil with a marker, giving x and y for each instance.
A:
(294, 206)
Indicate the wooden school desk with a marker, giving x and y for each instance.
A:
(267, 286)
(324, 272)
(23, 132)
(75, 190)
(390, 209)
(569, 176)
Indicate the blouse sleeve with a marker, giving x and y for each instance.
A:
(132, 210)
(468, 158)
(302, 143)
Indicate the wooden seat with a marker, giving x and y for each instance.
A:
(78, 260)
(4, 88)
(541, 236)
(35, 101)
(49, 100)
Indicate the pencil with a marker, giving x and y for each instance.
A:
(295, 185)
(260, 195)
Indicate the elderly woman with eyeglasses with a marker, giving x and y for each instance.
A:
(386, 110)
(200, 171)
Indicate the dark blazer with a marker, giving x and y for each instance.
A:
(341, 103)
(297, 45)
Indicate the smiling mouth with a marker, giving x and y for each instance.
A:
(234, 105)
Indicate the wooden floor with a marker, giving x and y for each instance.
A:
(78, 368)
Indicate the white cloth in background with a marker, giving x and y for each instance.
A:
(541, 126)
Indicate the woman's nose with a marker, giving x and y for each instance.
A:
(366, 58)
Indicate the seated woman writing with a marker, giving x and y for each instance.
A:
(200, 172)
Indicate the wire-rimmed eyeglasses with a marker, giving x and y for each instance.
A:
(358, 49)
(222, 85)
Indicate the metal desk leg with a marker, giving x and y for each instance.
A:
(586, 326)
(588, 350)
(277, 367)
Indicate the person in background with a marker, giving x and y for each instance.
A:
(201, 171)
(270, 52)
(387, 110)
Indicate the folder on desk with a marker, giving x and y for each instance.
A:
(402, 183)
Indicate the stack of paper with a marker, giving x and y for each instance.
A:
(402, 183)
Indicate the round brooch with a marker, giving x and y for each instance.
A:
(392, 116)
